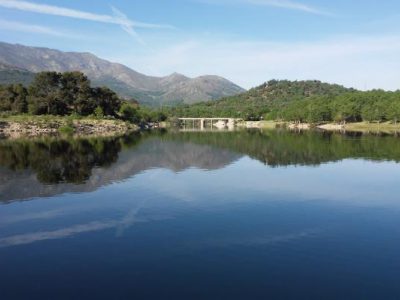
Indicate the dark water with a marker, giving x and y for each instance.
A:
(235, 215)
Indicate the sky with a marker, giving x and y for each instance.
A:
(354, 43)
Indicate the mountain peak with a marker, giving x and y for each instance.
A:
(175, 88)
(176, 74)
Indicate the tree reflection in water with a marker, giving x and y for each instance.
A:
(58, 160)
(62, 160)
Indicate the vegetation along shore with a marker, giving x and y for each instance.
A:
(67, 103)
(304, 105)
(364, 127)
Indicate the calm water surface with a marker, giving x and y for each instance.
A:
(235, 215)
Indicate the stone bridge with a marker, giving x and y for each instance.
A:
(219, 123)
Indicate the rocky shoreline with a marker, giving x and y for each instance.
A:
(84, 127)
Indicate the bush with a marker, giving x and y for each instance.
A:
(98, 112)
(67, 129)
(129, 113)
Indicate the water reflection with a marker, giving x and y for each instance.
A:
(171, 210)
(56, 161)
(49, 166)
(46, 167)
(284, 148)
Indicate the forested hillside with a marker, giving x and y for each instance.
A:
(371, 106)
(263, 101)
(301, 101)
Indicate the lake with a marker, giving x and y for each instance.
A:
(195, 215)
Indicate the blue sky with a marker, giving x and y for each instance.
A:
(355, 43)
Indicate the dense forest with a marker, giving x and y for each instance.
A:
(300, 101)
(69, 93)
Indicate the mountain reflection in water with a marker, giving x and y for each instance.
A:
(49, 166)
(223, 215)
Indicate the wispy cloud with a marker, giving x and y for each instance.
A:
(31, 28)
(32, 237)
(29, 238)
(127, 26)
(117, 17)
(42, 215)
(251, 241)
(286, 4)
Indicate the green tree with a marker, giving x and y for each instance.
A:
(13, 98)
(77, 93)
(319, 111)
(20, 103)
(107, 100)
(129, 113)
(393, 112)
(45, 95)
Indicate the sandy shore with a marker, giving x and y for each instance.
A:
(333, 127)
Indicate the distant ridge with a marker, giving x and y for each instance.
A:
(18, 61)
(10, 74)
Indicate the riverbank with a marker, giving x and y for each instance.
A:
(32, 126)
(365, 127)
(259, 124)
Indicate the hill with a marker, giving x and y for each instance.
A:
(172, 89)
(10, 75)
(267, 98)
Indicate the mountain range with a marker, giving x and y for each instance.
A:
(19, 63)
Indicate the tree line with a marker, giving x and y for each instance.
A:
(53, 93)
(257, 102)
(70, 93)
(371, 106)
(300, 101)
